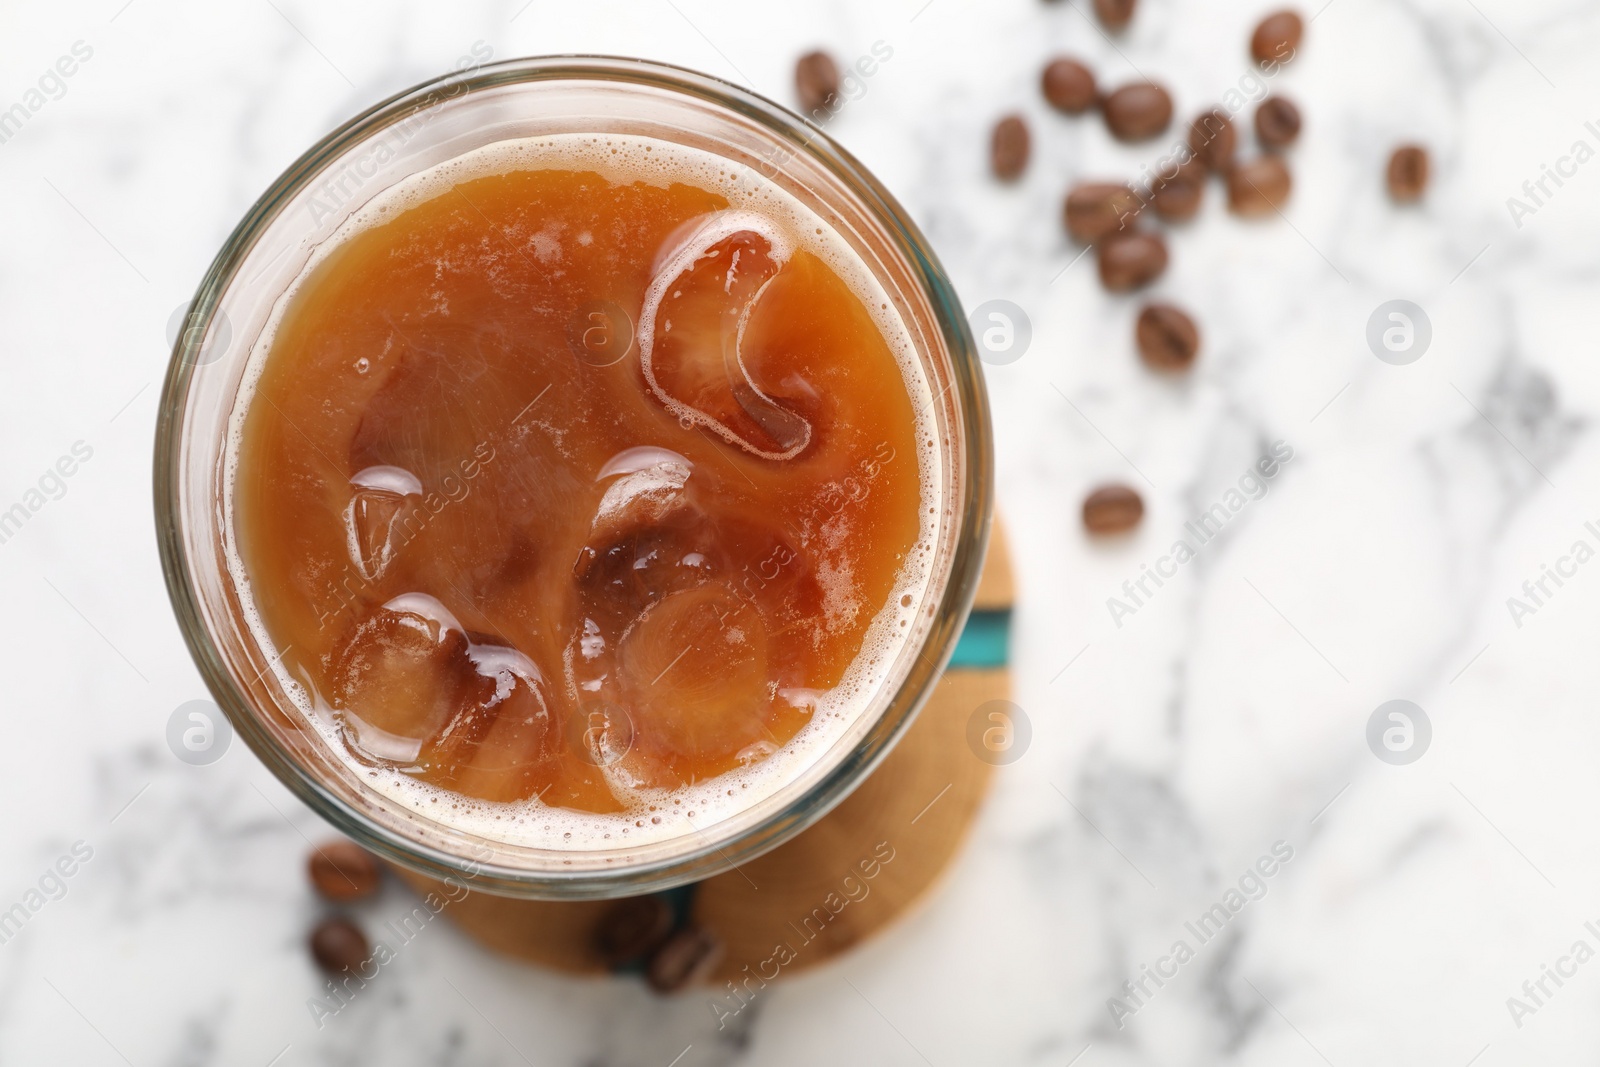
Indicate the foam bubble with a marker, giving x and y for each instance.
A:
(841, 716)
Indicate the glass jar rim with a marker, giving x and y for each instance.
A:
(966, 556)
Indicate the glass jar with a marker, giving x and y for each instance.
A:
(401, 137)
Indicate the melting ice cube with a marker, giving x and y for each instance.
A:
(692, 327)
(398, 677)
(379, 495)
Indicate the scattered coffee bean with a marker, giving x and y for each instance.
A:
(686, 958)
(1177, 200)
(1114, 14)
(1096, 210)
(1213, 139)
(632, 928)
(1130, 260)
(343, 870)
(1277, 37)
(1408, 173)
(1112, 509)
(1137, 112)
(1277, 122)
(816, 81)
(1008, 148)
(338, 945)
(1259, 186)
(1192, 169)
(1177, 188)
(1069, 86)
(1167, 337)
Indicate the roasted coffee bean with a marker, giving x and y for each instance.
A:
(1114, 14)
(1008, 148)
(1137, 112)
(343, 870)
(1112, 509)
(1213, 139)
(1096, 210)
(631, 929)
(1177, 200)
(1259, 186)
(1130, 260)
(686, 958)
(1069, 86)
(1177, 188)
(1167, 337)
(816, 82)
(1190, 170)
(1408, 173)
(1277, 37)
(1277, 122)
(338, 945)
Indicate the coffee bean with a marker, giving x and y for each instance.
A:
(1259, 186)
(1177, 200)
(1008, 148)
(1277, 37)
(343, 870)
(1130, 260)
(1096, 210)
(1137, 112)
(632, 928)
(1112, 509)
(1114, 14)
(686, 958)
(1190, 170)
(1069, 86)
(1408, 173)
(338, 945)
(1213, 139)
(1177, 188)
(816, 82)
(1167, 337)
(1277, 122)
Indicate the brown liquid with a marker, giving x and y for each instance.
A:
(495, 556)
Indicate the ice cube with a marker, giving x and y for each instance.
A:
(694, 673)
(378, 496)
(496, 745)
(642, 497)
(399, 676)
(634, 564)
(647, 538)
(692, 326)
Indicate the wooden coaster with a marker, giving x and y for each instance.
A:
(842, 880)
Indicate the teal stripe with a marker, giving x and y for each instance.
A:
(985, 642)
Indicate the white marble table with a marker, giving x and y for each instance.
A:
(1226, 714)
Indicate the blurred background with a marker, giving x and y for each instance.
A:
(1435, 902)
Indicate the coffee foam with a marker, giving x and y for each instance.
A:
(840, 716)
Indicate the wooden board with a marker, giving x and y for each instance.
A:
(861, 866)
